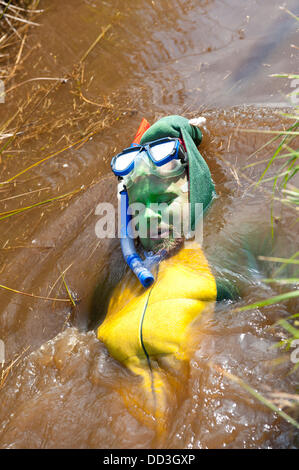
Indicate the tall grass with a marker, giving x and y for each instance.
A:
(283, 181)
(286, 191)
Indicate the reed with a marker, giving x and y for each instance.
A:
(284, 190)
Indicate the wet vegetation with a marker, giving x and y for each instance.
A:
(286, 191)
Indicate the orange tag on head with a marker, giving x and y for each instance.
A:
(141, 130)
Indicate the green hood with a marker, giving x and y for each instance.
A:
(201, 187)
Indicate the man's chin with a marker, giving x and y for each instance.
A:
(158, 244)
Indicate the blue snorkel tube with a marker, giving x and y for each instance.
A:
(132, 259)
(128, 247)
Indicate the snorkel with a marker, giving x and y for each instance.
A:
(131, 257)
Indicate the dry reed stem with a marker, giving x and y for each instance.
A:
(63, 272)
(100, 36)
(5, 372)
(33, 295)
(73, 302)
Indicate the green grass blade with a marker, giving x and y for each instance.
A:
(270, 301)
(291, 280)
(47, 201)
(257, 395)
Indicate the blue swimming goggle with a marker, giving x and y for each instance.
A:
(167, 154)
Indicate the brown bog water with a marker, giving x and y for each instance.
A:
(211, 58)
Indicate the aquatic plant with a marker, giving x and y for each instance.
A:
(286, 192)
(283, 180)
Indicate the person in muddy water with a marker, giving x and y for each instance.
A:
(152, 330)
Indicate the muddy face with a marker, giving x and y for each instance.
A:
(62, 390)
(164, 213)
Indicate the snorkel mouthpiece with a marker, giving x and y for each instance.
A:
(128, 247)
(144, 275)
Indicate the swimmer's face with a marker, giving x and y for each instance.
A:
(164, 210)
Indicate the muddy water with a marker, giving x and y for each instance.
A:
(157, 58)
